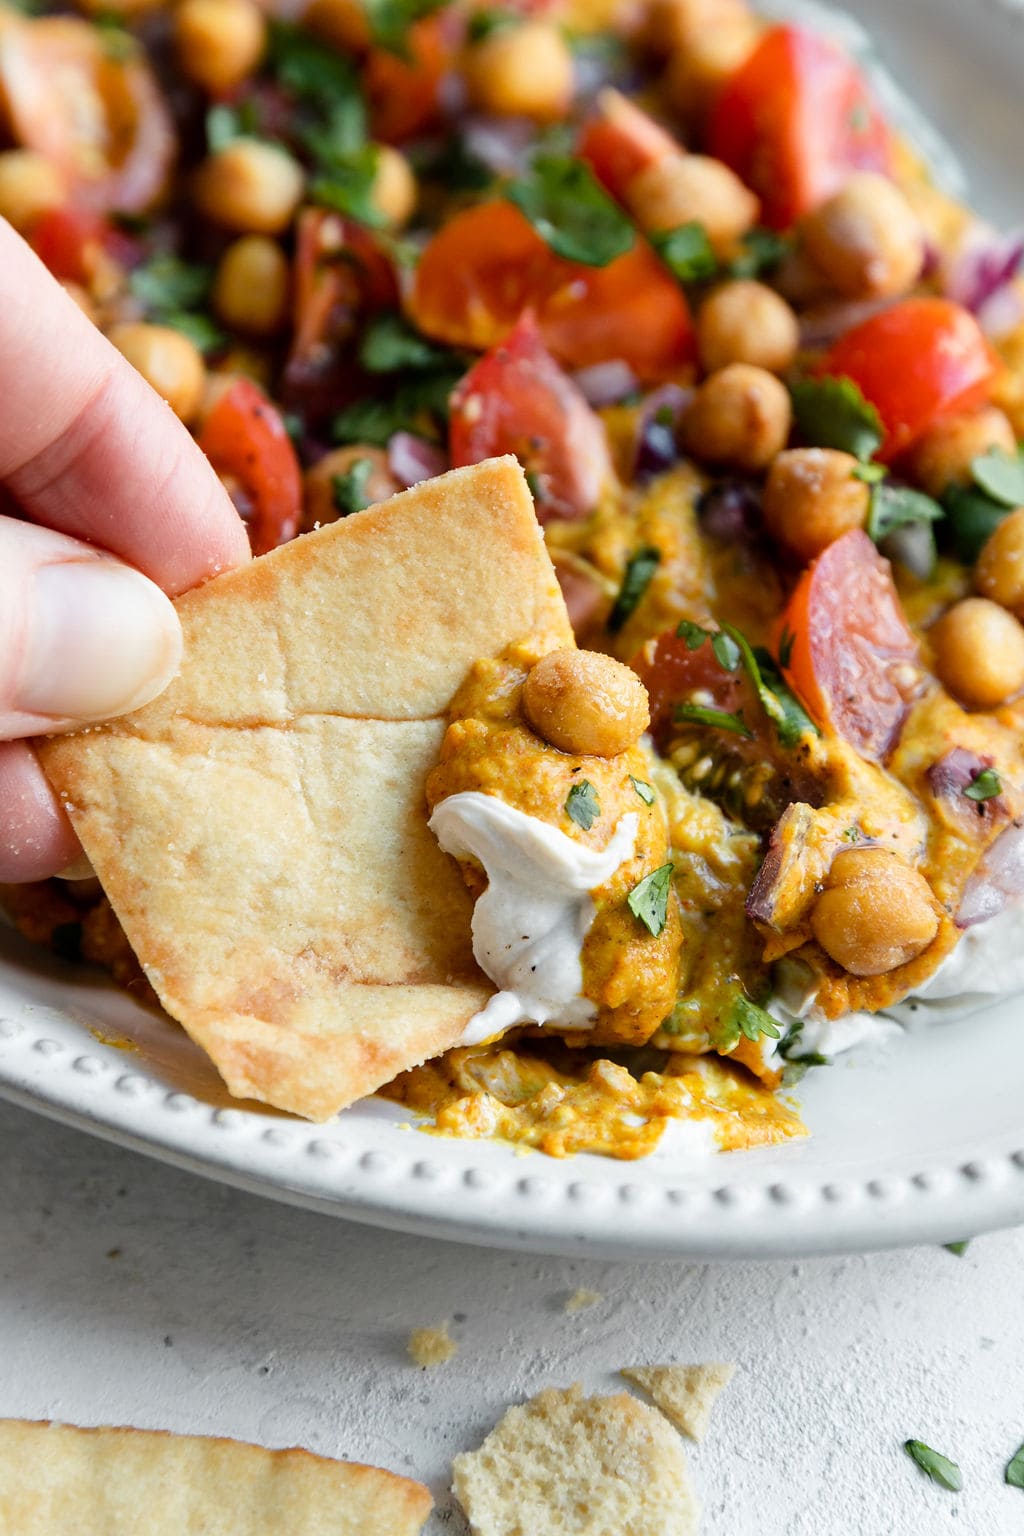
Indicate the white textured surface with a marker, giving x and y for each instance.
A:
(130, 1292)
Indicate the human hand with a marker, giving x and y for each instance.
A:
(106, 506)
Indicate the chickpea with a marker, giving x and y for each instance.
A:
(394, 187)
(866, 239)
(698, 70)
(979, 653)
(29, 185)
(250, 187)
(740, 418)
(342, 23)
(318, 489)
(811, 497)
(167, 360)
(876, 913)
(943, 456)
(220, 42)
(521, 70)
(250, 290)
(999, 572)
(585, 702)
(687, 189)
(671, 25)
(745, 322)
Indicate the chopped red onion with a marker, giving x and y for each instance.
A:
(825, 323)
(656, 446)
(956, 771)
(606, 383)
(1003, 312)
(412, 459)
(997, 881)
(730, 512)
(985, 263)
(502, 143)
(913, 547)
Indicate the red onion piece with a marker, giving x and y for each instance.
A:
(1003, 312)
(412, 459)
(998, 879)
(606, 383)
(656, 447)
(985, 263)
(730, 512)
(502, 143)
(825, 323)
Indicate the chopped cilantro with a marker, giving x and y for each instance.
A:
(787, 640)
(761, 250)
(224, 124)
(958, 1248)
(390, 345)
(314, 74)
(984, 786)
(895, 506)
(832, 413)
(782, 707)
(936, 1466)
(693, 634)
(390, 21)
(718, 719)
(199, 329)
(798, 1062)
(483, 24)
(751, 1020)
(1014, 1474)
(640, 568)
(648, 901)
(453, 165)
(367, 421)
(533, 485)
(419, 404)
(687, 252)
(118, 43)
(348, 490)
(643, 789)
(851, 835)
(727, 652)
(972, 517)
(171, 292)
(571, 211)
(346, 186)
(869, 473)
(582, 805)
(1000, 475)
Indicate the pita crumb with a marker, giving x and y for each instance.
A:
(568, 1465)
(685, 1394)
(431, 1346)
(131, 1482)
(581, 1299)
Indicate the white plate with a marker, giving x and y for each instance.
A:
(921, 1142)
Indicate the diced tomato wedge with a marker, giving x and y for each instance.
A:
(795, 120)
(849, 651)
(620, 140)
(915, 362)
(73, 242)
(245, 440)
(671, 671)
(517, 400)
(488, 264)
(405, 94)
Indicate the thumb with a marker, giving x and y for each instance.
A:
(82, 636)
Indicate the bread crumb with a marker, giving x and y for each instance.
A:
(685, 1394)
(568, 1465)
(581, 1299)
(431, 1346)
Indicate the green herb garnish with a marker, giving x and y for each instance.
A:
(315, 75)
(938, 1467)
(895, 506)
(871, 474)
(484, 24)
(571, 211)
(348, 490)
(200, 329)
(419, 404)
(832, 413)
(958, 1248)
(787, 640)
(453, 165)
(225, 124)
(971, 518)
(643, 789)
(761, 250)
(648, 901)
(727, 652)
(347, 186)
(693, 634)
(687, 252)
(171, 292)
(640, 569)
(582, 805)
(390, 21)
(390, 345)
(984, 786)
(782, 707)
(751, 1020)
(1000, 475)
(1014, 1474)
(718, 719)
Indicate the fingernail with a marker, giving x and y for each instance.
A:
(102, 640)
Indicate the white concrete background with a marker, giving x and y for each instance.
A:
(132, 1293)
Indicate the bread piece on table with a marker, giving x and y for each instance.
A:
(260, 829)
(685, 1394)
(56, 1480)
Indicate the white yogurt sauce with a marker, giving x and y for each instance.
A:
(530, 923)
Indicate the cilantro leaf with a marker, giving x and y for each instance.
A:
(199, 329)
(959, 1249)
(346, 186)
(582, 805)
(782, 707)
(1000, 475)
(390, 21)
(224, 124)
(693, 634)
(870, 474)
(718, 719)
(894, 506)
(640, 569)
(687, 252)
(453, 164)
(984, 786)
(938, 1467)
(367, 421)
(484, 24)
(390, 345)
(971, 518)
(727, 652)
(643, 789)
(419, 404)
(751, 1020)
(166, 283)
(648, 900)
(761, 250)
(832, 413)
(348, 490)
(787, 640)
(315, 74)
(1014, 1474)
(571, 211)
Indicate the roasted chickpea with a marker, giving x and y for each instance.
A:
(999, 572)
(342, 23)
(522, 70)
(250, 290)
(943, 456)
(693, 189)
(866, 239)
(876, 913)
(811, 497)
(739, 417)
(979, 653)
(671, 25)
(29, 185)
(394, 187)
(167, 360)
(745, 322)
(250, 187)
(587, 703)
(320, 493)
(698, 70)
(220, 42)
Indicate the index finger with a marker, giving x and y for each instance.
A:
(88, 448)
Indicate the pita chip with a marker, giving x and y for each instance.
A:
(685, 1394)
(261, 829)
(131, 1482)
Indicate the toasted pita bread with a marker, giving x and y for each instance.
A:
(260, 829)
(55, 1480)
(685, 1394)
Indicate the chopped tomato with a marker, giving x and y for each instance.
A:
(620, 140)
(915, 362)
(517, 400)
(101, 119)
(245, 440)
(405, 93)
(488, 264)
(73, 243)
(794, 120)
(848, 649)
(671, 671)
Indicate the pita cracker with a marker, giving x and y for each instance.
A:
(261, 829)
(685, 1394)
(56, 1479)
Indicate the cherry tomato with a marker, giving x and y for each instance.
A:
(794, 120)
(516, 399)
(245, 440)
(849, 652)
(488, 264)
(620, 140)
(404, 94)
(916, 361)
(73, 243)
(101, 119)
